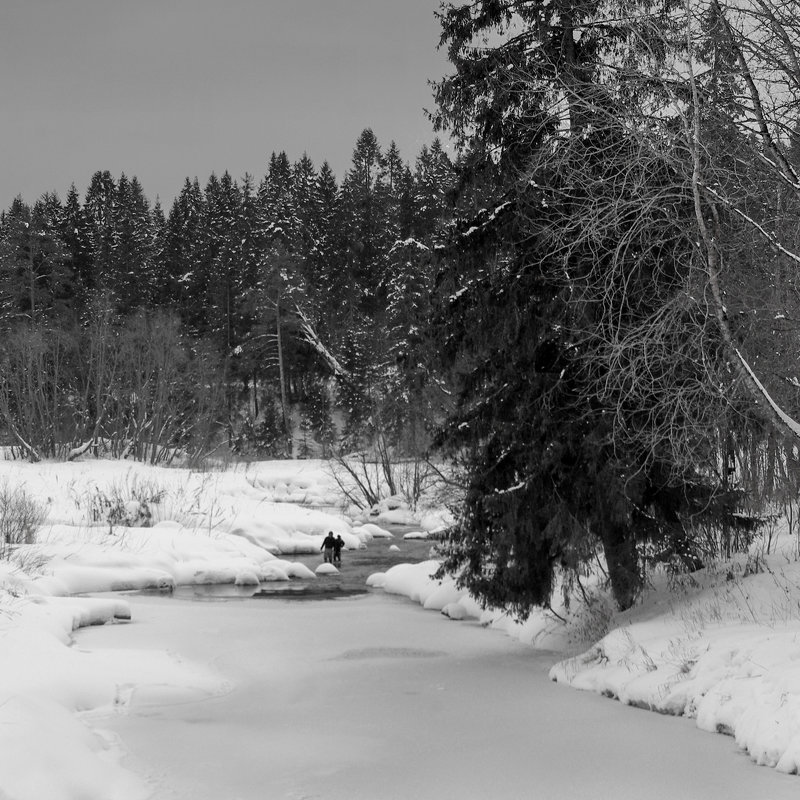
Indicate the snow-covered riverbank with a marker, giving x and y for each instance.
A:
(721, 648)
(371, 698)
(721, 651)
(98, 526)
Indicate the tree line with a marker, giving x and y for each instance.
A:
(245, 313)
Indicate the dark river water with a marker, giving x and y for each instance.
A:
(356, 567)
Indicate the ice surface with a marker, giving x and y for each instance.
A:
(375, 698)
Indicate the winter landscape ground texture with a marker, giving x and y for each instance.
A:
(720, 647)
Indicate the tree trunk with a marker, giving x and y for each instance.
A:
(622, 560)
(282, 376)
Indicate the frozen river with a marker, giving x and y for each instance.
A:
(373, 698)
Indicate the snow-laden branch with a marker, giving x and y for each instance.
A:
(407, 243)
(481, 222)
(311, 337)
(773, 241)
(790, 424)
(33, 453)
(79, 450)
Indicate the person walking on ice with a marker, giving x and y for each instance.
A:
(328, 547)
(337, 550)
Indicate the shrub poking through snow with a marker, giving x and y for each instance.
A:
(380, 479)
(123, 504)
(20, 517)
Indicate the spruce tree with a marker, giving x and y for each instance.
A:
(129, 277)
(183, 277)
(367, 225)
(327, 280)
(75, 233)
(158, 242)
(551, 306)
(35, 270)
(434, 179)
(99, 211)
(306, 202)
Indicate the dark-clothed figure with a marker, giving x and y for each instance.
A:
(328, 547)
(337, 549)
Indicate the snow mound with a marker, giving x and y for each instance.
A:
(246, 578)
(294, 569)
(455, 611)
(415, 581)
(372, 531)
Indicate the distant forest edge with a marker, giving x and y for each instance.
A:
(273, 319)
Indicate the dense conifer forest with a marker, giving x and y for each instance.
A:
(590, 311)
(270, 317)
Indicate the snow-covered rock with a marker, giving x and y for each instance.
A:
(455, 611)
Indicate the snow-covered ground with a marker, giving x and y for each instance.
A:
(722, 649)
(372, 698)
(721, 646)
(100, 526)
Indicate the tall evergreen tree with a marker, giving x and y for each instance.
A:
(306, 201)
(369, 234)
(433, 182)
(327, 280)
(99, 211)
(550, 304)
(76, 235)
(183, 276)
(129, 276)
(158, 242)
(227, 270)
(278, 221)
(35, 274)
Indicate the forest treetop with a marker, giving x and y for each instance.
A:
(269, 289)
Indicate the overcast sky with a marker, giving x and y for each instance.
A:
(165, 89)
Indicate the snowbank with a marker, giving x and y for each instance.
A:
(47, 752)
(723, 650)
(105, 526)
(102, 525)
